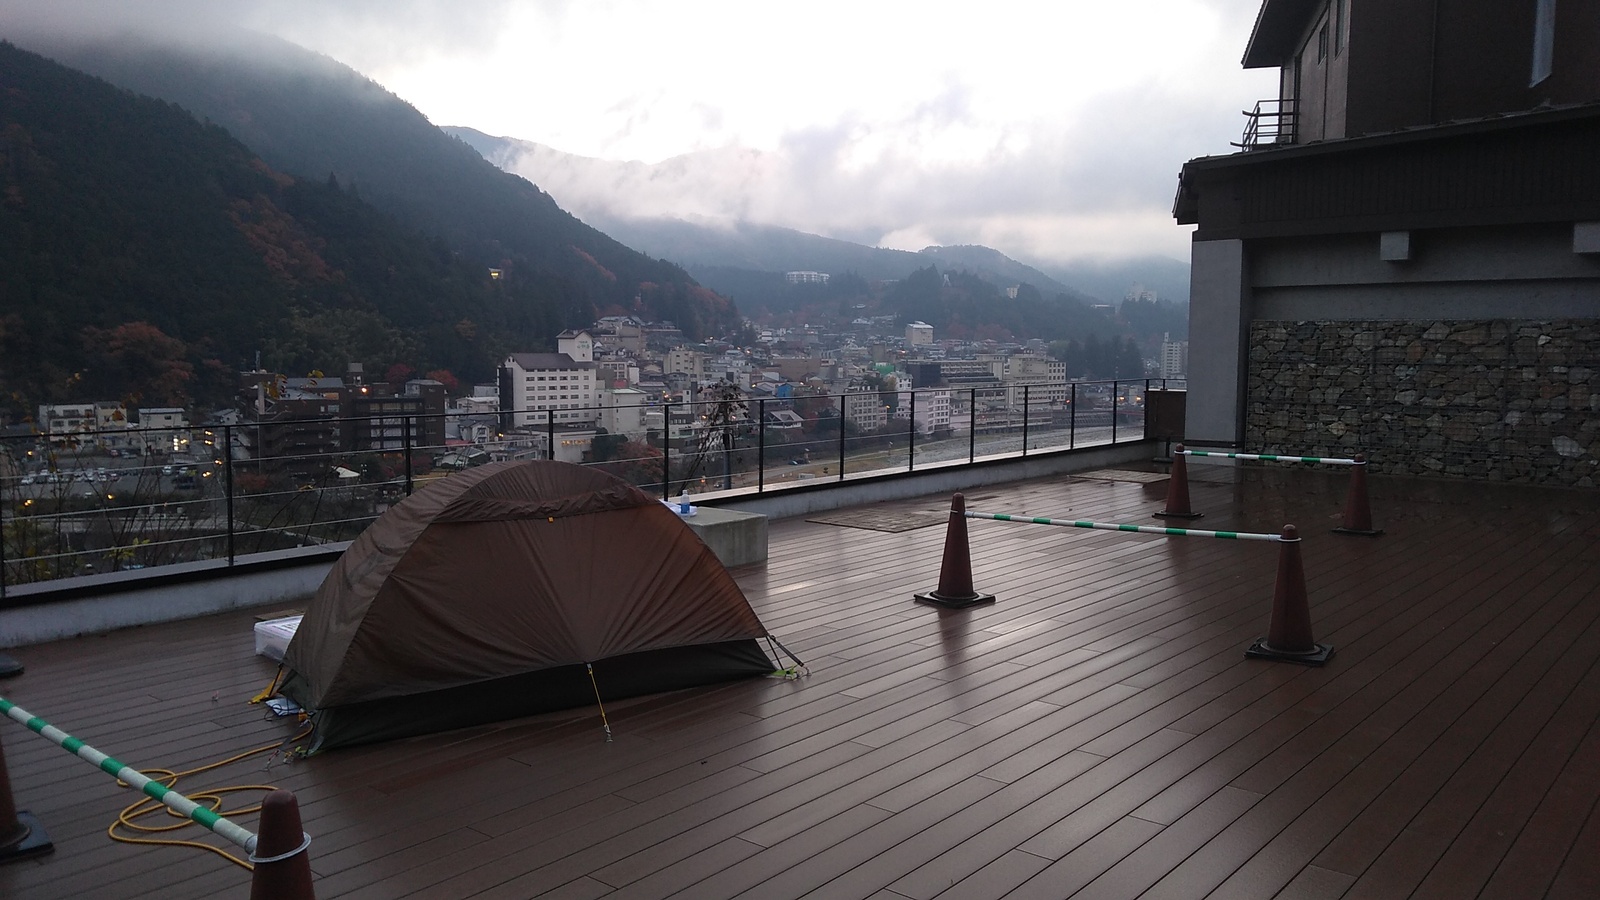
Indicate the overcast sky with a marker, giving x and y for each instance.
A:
(1046, 130)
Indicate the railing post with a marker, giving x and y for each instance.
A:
(761, 445)
(1024, 420)
(5, 504)
(911, 436)
(1072, 418)
(550, 434)
(227, 469)
(405, 443)
(972, 425)
(844, 400)
(666, 451)
(1113, 410)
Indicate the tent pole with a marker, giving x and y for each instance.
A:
(798, 661)
(598, 702)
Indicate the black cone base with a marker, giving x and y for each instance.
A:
(35, 843)
(1172, 515)
(1373, 533)
(1319, 656)
(9, 666)
(934, 598)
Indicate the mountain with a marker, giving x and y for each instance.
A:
(314, 118)
(746, 261)
(148, 257)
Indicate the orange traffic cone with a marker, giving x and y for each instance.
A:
(1289, 637)
(955, 572)
(1178, 490)
(282, 868)
(1357, 513)
(21, 835)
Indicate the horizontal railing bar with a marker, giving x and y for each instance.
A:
(1140, 529)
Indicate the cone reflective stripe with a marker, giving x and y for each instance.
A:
(1357, 511)
(1178, 489)
(21, 835)
(955, 572)
(1289, 636)
(282, 867)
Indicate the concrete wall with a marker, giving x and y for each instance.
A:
(1217, 324)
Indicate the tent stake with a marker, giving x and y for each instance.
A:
(598, 702)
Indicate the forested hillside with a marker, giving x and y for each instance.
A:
(146, 256)
(313, 117)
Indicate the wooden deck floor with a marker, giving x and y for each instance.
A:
(1095, 733)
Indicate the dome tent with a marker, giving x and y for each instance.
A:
(490, 594)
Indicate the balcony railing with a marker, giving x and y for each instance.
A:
(1271, 122)
(89, 502)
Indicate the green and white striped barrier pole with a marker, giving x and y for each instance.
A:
(1274, 458)
(175, 801)
(1140, 529)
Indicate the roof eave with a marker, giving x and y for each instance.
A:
(1278, 27)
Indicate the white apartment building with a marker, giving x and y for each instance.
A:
(864, 409)
(1044, 378)
(165, 428)
(806, 277)
(919, 334)
(685, 361)
(622, 411)
(62, 419)
(563, 387)
(930, 410)
(1174, 357)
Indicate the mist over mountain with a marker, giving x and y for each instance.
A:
(680, 209)
(315, 118)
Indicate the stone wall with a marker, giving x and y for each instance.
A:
(1501, 400)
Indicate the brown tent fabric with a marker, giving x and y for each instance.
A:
(508, 570)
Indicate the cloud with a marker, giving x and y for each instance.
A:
(1053, 129)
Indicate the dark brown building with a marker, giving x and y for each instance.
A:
(1404, 258)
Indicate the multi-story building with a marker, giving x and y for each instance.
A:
(622, 411)
(1404, 258)
(559, 387)
(68, 421)
(864, 409)
(1038, 378)
(919, 334)
(684, 361)
(806, 277)
(165, 428)
(928, 408)
(1174, 357)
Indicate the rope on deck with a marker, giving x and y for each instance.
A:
(173, 800)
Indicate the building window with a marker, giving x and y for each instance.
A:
(1322, 43)
(1338, 27)
(1544, 40)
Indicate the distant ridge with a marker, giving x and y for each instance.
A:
(313, 117)
(727, 240)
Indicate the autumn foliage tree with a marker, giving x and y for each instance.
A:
(140, 361)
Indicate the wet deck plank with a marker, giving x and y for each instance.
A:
(1095, 733)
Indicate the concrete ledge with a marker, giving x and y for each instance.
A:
(737, 538)
(121, 600)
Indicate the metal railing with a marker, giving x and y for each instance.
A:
(90, 502)
(1271, 122)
